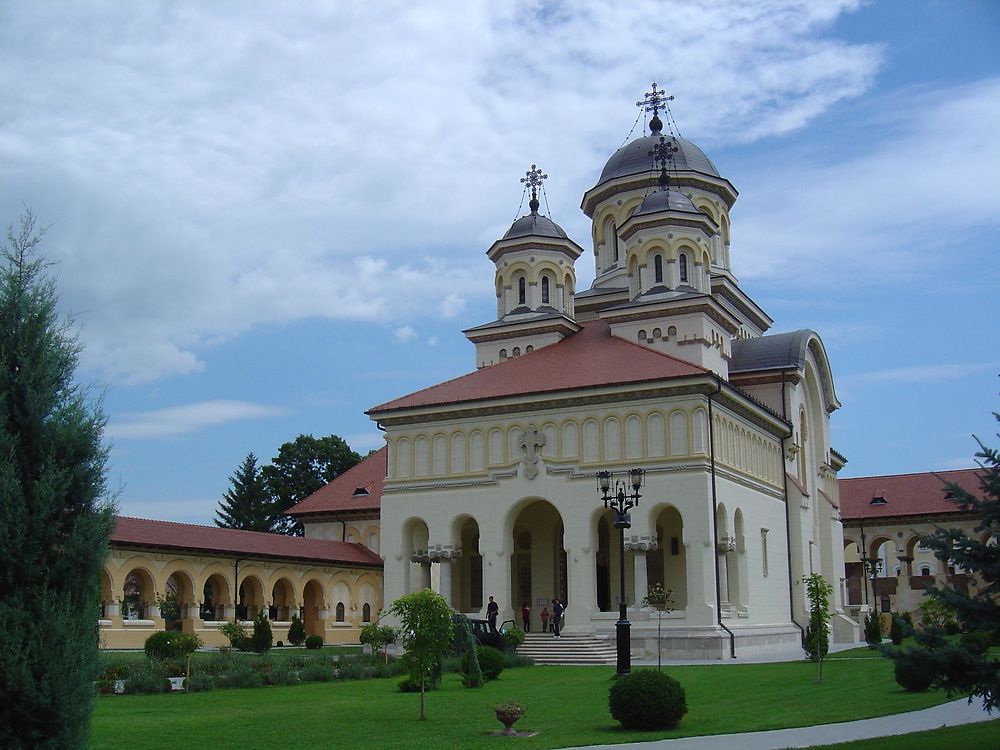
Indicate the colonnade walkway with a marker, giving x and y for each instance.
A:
(946, 715)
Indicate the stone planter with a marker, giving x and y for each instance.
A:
(176, 683)
(119, 687)
(508, 718)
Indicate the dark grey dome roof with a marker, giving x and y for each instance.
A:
(633, 158)
(535, 225)
(663, 200)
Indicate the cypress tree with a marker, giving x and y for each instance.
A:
(247, 504)
(54, 517)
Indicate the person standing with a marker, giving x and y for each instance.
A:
(545, 619)
(526, 617)
(557, 611)
(492, 610)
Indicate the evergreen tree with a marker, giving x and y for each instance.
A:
(54, 518)
(954, 666)
(301, 467)
(247, 504)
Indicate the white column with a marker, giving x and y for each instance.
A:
(496, 581)
(701, 582)
(639, 574)
(444, 581)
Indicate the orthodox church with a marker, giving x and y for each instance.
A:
(488, 483)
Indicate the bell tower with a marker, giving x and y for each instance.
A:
(535, 284)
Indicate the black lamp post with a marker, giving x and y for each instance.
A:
(621, 492)
(872, 566)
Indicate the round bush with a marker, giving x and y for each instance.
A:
(160, 645)
(314, 642)
(647, 699)
(977, 643)
(912, 675)
(491, 662)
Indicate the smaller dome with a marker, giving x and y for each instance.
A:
(666, 200)
(535, 225)
(634, 159)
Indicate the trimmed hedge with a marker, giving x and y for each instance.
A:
(491, 661)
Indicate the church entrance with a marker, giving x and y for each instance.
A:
(667, 564)
(467, 583)
(538, 565)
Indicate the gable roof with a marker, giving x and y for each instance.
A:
(193, 538)
(358, 488)
(904, 494)
(587, 359)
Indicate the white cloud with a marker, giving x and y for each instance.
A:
(187, 510)
(211, 167)
(187, 419)
(404, 333)
(884, 209)
(365, 441)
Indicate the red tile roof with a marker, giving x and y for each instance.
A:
(190, 537)
(358, 488)
(905, 494)
(588, 359)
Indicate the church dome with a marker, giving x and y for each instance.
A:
(535, 225)
(634, 159)
(666, 200)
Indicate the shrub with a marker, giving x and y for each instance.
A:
(977, 643)
(241, 676)
(199, 683)
(647, 699)
(143, 677)
(377, 637)
(167, 644)
(236, 634)
(314, 642)
(897, 630)
(410, 685)
(316, 670)
(513, 638)
(296, 631)
(951, 627)
(279, 673)
(262, 638)
(873, 629)
(355, 667)
(491, 662)
(512, 660)
(912, 674)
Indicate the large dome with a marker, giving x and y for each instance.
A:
(634, 159)
(535, 225)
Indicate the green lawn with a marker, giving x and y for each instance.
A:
(982, 736)
(566, 705)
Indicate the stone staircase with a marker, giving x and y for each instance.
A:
(567, 649)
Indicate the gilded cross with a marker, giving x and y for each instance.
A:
(662, 153)
(655, 100)
(533, 179)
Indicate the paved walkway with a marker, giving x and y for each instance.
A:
(945, 715)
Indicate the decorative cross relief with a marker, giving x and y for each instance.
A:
(531, 441)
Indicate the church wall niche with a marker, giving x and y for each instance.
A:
(612, 439)
(570, 445)
(457, 453)
(404, 458)
(679, 433)
(514, 441)
(551, 447)
(421, 456)
(591, 442)
(497, 456)
(439, 451)
(477, 451)
(633, 437)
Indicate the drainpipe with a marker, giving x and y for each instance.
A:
(715, 521)
(343, 529)
(788, 520)
(236, 587)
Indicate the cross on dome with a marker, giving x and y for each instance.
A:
(653, 101)
(662, 153)
(533, 179)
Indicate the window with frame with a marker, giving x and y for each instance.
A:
(683, 263)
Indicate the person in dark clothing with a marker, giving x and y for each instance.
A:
(557, 613)
(526, 617)
(492, 611)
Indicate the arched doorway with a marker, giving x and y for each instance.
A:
(178, 601)
(215, 598)
(854, 574)
(608, 563)
(538, 565)
(667, 566)
(107, 595)
(251, 598)
(467, 583)
(139, 596)
(282, 601)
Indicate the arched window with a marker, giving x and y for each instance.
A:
(684, 268)
(521, 293)
(340, 611)
(503, 354)
(528, 349)
(925, 570)
(366, 613)
(545, 290)
(614, 240)
(517, 351)
(658, 269)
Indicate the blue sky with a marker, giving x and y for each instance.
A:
(267, 219)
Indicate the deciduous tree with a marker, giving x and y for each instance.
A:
(55, 518)
(301, 467)
(426, 631)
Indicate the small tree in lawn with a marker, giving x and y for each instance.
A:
(297, 631)
(818, 633)
(426, 632)
(377, 638)
(658, 598)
